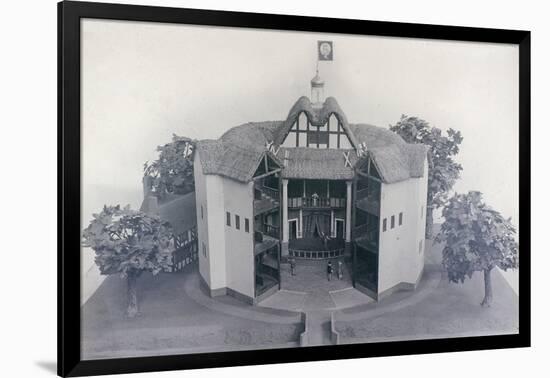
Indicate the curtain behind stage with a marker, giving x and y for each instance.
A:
(316, 221)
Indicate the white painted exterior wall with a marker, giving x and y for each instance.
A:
(421, 226)
(215, 217)
(202, 227)
(400, 260)
(229, 260)
(239, 244)
(210, 223)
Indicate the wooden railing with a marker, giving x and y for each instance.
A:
(317, 202)
(309, 254)
(267, 191)
(269, 230)
(366, 193)
(368, 234)
(265, 199)
(365, 230)
(360, 194)
(369, 202)
(264, 205)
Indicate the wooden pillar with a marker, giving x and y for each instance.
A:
(348, 211)
(284, 225)
(332, 225)
(300, 224)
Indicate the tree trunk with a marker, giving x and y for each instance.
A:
(429, 222)
(488, 288)
(132, 310)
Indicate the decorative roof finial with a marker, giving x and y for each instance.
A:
(317, 90)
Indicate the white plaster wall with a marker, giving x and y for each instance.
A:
(215, 221)
(202, 229)
(399, 260)
(239, 244)
(421, 226)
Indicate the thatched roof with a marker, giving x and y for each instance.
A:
(395, 159)
(238, 152)
(312, 163)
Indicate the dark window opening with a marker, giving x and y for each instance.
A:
(246, 225)
(228, 219)
(384, 225)
(237, 222)
(400, 219)
(317, 137)
(392, 221)
(295, 188)
(337, 189)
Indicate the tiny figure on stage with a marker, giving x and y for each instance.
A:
(293, 266)
(315, 198)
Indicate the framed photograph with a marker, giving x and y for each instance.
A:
(239, 189)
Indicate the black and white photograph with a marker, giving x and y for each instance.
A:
(250, 189)
(275, 189)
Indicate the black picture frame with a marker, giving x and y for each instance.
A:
(69, 228)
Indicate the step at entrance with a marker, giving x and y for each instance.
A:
(318, 328)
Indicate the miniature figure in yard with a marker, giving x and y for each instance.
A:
(129, 242)
(443, 171)
(477, 238)
(340, 270)
(293, 266)
(329, 271)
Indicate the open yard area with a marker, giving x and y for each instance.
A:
(449, 310)
(177, 315)
(436, 310)
(171, 322)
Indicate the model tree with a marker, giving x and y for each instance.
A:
(129, 242)
(172, 171)
(477, 238)
(443, 171)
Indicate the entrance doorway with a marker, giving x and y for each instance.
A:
(293, 228)
(339, 223)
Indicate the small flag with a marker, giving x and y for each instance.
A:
(324, 48)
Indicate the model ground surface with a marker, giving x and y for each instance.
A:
(177, 315)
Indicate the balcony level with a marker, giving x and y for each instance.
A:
(266, 199)
(317, 194)
(265, 237)
(368, 201)
(367, 237)
(317, 202)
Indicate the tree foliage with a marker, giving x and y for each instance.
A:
(172, 171)
(128, 242)
(476, 237)
(443, 171)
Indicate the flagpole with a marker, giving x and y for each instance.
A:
(317, 66)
